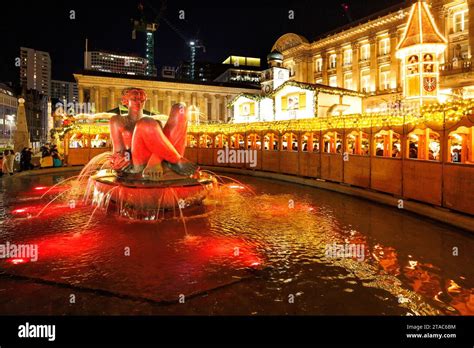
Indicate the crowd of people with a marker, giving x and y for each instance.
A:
(49, 155)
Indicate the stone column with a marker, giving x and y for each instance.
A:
(226, 110)
(112, 103)
(159, 96)
(215, 115)
(230, 111)
(313, 69)
(355, 67)
(188, 97)
(200, 104)
(470, 4)
(155, 101)
(301, 69)
(325, 64)
(444, 29)
(395, 63)
(339, 75)
(118, 97)
(97, 99)
(206, 110)
(181, 97)
(194, 99)
(103, 92)
(167, 104)
(374, 68)
(81, 94)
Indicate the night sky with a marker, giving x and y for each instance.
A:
(225, 27)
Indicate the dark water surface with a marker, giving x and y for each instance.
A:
(243, 254)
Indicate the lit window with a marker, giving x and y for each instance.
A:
(332, 142)
(465, 51)
(416, 148)
(319, 65)
(365, 80)
(333, 81)
(384, 46)
(348, 57)
(357, 143)
(365, 52)
(387, 144)
(384, 76)
(332, 61)
(460, 21)
(458, 148)
(348, 81)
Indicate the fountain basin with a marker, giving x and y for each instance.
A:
(144, 199)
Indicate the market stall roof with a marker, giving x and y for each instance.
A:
(255, 97)
(317, 87)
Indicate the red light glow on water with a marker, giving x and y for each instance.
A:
(42, 190)
(54, 209)
(17, 261)
(38, 188)
(69, 245)
(222, 248)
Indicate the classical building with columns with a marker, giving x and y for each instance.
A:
(362, 56)
(104, 93)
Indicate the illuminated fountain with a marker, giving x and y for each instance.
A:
(146, 174)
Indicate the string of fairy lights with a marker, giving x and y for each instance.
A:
(436, 116)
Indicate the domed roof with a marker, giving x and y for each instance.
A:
(289, 40)
(275, 55)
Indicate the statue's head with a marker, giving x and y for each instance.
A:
(134, 98)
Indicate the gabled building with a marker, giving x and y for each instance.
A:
(283, 99)
(396, 65)
(420, 51)
(362, 55)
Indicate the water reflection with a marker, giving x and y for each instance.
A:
(260, 247)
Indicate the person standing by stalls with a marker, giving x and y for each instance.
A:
(45, 150)
(28, 156)
(11, 161)
(22, 159)
(46, 158)
(56, 158)
(6, 169)
(25, 159)
(1, 164)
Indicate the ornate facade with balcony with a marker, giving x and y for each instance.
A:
(373, 43)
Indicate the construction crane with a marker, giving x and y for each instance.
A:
(142, 24)
(347, 11)
(149, 27)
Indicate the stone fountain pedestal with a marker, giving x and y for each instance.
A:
(143, 199)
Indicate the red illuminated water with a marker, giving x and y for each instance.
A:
(242, 253)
